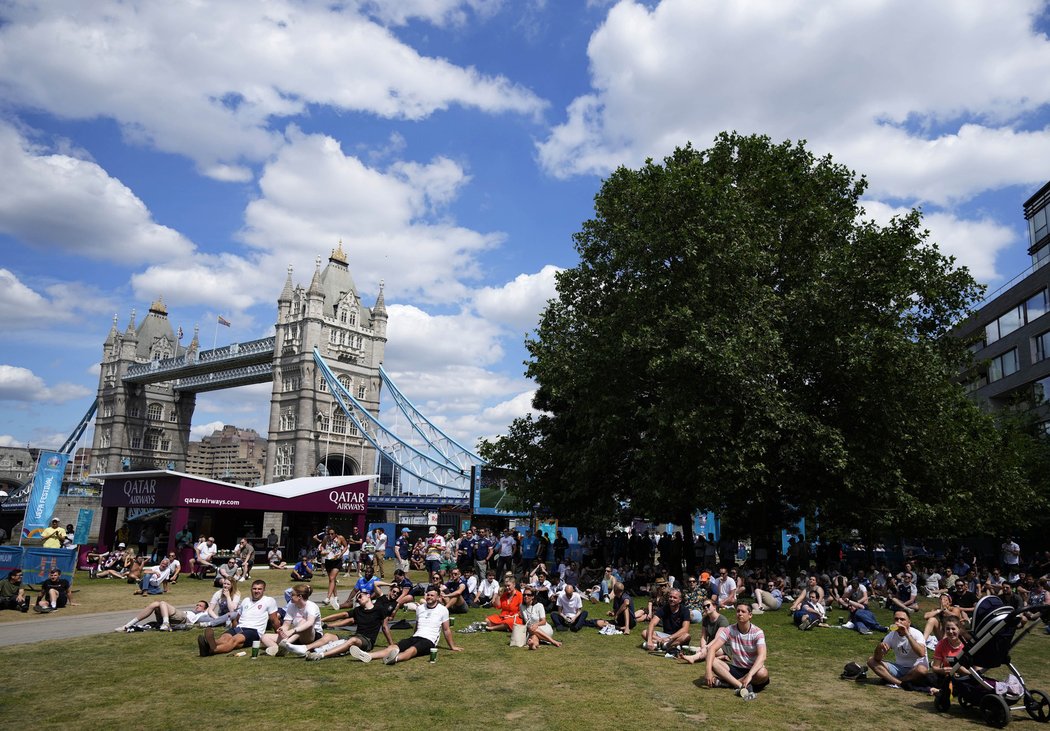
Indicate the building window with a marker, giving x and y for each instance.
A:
(136, 441)
(288, 420)
(100, 464)
(155, 412)
(107, 409)
(1035, 306)
(292, 380)
(103, 440)
(1041, 256)
(322, 384)
(339, 422)
(342, 316)
(1041, 390)
(360, 392)
(153, 439)
(1037, 227)
(283, 464)
(1003, 366)
(346, 383)
(351, 429)
(134, 411)
(1042, 346)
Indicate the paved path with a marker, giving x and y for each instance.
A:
(56, 627)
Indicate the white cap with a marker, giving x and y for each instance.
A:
(433, 529)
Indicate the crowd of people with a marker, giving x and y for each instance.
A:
(534, 590)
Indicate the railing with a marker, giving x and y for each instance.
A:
(233, 351)
(259, 373)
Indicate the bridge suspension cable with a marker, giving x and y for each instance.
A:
(430, 471)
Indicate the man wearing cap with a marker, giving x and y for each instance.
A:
(403, 550)
(435, 547)
(53, 535)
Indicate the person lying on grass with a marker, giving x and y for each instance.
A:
(368, 617)
(167, 615)
(254, 614)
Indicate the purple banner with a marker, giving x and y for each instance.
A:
(172, 491)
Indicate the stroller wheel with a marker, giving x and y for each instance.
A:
(1038, 705)
(994, 711)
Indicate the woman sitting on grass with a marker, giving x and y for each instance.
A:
(224, 601)
(951, 645)
(535, 618)
(936, 618)
(509, 605)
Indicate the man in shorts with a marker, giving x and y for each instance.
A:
(743, 667)
(674, 621)
(910, 663)
(167, 615)
(431, 623)
(254, 614)
(369, 620)
(205, 551)
(54, 593)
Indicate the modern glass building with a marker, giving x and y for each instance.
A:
(1012, 331)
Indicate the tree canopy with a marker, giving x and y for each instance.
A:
(737, 336)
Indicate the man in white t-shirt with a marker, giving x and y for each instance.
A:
(568, 612)
(723, 588)
(910, 662)
(254, 615)
(380, 555)
(431, 623)
(153, 578)
(302, 622)
(201, 564)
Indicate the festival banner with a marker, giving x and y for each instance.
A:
(10, 558)
(47, 483)
(37, 562)
(84, 519)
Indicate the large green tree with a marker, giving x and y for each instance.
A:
(738, 337)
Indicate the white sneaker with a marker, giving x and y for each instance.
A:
(272, 650)
(849, 625)
(360, 654)
(391, 657)
(299, 650)
(122, 628)
(335, 602)
(165, 627)
(314, 655)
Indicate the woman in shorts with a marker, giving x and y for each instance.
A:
(331, 545)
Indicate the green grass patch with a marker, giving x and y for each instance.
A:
(157, 681)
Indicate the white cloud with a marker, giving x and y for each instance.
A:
(438, 12)
(21, 384)
(518, 303)
(433, 341)
(974, 243)
(199, 431)
(6, 440)
(207, 79)
(60, 203)
(19, 301)
(939, 118)
(392, 221)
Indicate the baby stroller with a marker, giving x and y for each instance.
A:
(992, 636)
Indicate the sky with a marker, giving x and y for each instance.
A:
(195, 150)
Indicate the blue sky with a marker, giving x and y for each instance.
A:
(195, 150)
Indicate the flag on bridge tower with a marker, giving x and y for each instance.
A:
(224, 321)
(180, 334)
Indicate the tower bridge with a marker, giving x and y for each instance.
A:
(324, 362)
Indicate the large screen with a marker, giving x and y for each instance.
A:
(490, 493)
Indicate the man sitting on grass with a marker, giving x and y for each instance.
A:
(369, 619)
(301, 625)
(255, 613)
(431, 623)
(674, 621)
(744, 665)
(54, 593)
(910, 665)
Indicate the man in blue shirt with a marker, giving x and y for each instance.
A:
(483, 552)
(366, 584)
(530, 545)
(403, 550)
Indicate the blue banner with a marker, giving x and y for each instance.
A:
(37, 562)
(47, 483)
(10, 558)
(84, 519)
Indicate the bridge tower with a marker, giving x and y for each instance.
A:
(140, 426)
(308, 432)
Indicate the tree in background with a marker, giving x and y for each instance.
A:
(737, 337)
